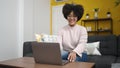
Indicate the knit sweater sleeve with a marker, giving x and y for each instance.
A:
(82, 42)
(59, 39)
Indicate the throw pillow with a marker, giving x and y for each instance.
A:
(46, 38)
(93, 48)
(49, 38)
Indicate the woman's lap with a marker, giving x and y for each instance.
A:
(64, 55)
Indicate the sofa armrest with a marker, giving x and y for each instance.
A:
(118, 43)
(27, 49)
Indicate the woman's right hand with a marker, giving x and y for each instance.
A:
(72, 56)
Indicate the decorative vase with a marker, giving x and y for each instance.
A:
(96, 15)
(108, 14)
(87, 16)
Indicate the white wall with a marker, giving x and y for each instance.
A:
(8, 29)
(28, 20)
(36, 18)
(42, 16)
(19, 20)
(58, 20)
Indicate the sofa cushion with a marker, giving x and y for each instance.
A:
(108, 44)
(102, 65)
(93, 48)
(108, 48)
(102, 61)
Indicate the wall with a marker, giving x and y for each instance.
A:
(58, 20)
(42, 16)
(19, 20)
(28, 19)
(36, 18)
(104, 5)
(8, 29)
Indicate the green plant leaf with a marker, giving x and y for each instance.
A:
(117, 2)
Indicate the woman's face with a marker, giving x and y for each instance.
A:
(72, 19)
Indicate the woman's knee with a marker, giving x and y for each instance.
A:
(64, 54)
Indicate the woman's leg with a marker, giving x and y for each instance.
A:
(64, 55)
(83, 58)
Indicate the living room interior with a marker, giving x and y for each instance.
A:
(22, 19)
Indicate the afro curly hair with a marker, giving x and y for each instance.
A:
(78, 10)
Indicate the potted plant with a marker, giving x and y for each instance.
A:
(117, 2)
(108, 14)
(96, 9)
(87, 16)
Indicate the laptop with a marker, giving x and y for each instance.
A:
(47, 53)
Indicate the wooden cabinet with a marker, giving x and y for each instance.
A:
(98, 26)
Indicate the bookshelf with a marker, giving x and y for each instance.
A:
(98, 26)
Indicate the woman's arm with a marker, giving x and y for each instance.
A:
(59, 39)
(82, 42)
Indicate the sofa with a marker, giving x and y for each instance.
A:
(109, 49)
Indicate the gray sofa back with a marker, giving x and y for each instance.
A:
(108, 44)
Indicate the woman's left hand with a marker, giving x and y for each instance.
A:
(72, 56)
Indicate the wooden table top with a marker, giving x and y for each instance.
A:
(28, 62)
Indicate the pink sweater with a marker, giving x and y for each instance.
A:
(73, 38)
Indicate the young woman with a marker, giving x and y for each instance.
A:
(73, 37)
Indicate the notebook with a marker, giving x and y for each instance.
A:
(47, 53)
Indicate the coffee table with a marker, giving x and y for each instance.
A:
(28, 62)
